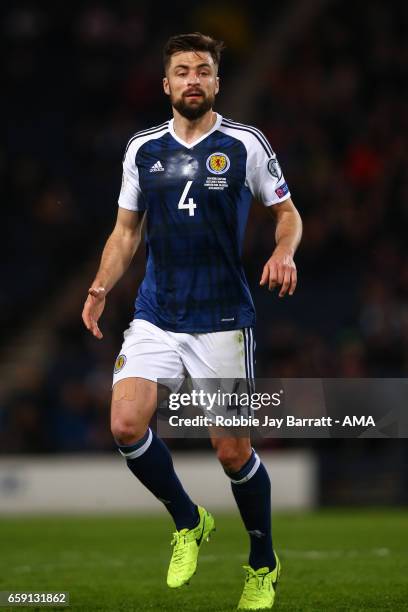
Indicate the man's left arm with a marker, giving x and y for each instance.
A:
(280, 269)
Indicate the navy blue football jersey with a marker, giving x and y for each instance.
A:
(197, 198)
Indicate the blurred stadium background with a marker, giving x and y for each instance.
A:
(326, 82)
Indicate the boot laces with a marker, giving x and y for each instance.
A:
(253, 580)
(178, 541)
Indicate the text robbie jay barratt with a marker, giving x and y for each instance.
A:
(288, 421)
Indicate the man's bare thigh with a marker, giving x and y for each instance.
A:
(134, 401)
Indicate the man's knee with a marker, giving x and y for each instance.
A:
(126, 433)
(126, 429)
(233, 454)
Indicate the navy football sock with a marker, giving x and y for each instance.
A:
(251, 488)
(150, 461)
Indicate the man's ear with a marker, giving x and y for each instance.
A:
(217, 85)
(166, 86)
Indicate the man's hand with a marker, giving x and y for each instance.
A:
(116, 257)
(280, 269)
(93, 308)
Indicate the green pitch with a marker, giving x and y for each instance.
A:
(332, 560)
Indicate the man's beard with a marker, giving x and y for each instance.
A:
(195, 111)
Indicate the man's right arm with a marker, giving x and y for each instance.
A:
(116, 257)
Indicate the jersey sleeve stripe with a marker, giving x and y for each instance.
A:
(247, 128)
(250, 127)
(152, 130)
(233, 127)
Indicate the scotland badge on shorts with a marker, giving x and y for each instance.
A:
(119, 363)
(218, 163)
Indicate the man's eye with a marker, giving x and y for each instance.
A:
(182, 74)
(204, 73)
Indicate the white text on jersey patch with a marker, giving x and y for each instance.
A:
(216, 182)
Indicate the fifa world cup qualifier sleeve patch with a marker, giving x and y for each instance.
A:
(274, 168)
(269, 182)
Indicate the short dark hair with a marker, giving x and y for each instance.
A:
(192, 42)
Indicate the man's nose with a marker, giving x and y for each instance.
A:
(193, 78)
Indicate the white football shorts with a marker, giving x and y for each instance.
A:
(153, 353)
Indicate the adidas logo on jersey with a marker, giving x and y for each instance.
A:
(157, 167)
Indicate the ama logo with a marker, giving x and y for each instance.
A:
(358, 421)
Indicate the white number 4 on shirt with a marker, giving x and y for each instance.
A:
(190, 205)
